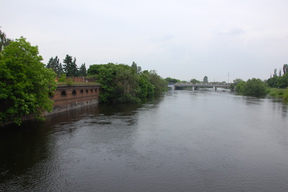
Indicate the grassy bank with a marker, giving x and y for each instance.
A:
(281, 93)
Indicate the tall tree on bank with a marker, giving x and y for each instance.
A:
(205, 79)
(136, 68)
(4, 41)
(285, 68)
(25, 83)
(82, 70)
(55, 65)
(70, 66)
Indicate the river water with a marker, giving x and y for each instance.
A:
(201, 140)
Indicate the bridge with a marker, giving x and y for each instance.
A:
(195, 86)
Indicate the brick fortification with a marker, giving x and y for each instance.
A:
(75, 96)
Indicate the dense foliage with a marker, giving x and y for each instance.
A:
(253, 87)
(124, 84)
(25, 84)
(279, 80)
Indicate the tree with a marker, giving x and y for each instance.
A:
(136, 68)
(4, 41)
(55, 65)
(105, 76)
(172, 80)
(25, 83)
(82, 70)
(253, 87)
(275, 73)
(194, 81)
(285, 68)
(70, 66)
(127, 84)
(205, 79)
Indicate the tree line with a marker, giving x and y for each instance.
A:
(258, 88)
(26, 83)
(69, 67)
(278, 80)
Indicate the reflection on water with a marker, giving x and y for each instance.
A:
(202, 140)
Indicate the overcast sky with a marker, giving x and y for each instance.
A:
(182, 39)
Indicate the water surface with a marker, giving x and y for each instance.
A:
(202, 140)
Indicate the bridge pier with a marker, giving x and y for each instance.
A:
(215, 88)
(171, 87)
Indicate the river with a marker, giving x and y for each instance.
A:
(201, 140)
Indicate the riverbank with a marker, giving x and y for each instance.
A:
(280, 93)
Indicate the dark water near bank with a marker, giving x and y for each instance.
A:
(185, 141)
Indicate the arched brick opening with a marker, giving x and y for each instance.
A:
(74, 92)
(81, 91)
(63, 94)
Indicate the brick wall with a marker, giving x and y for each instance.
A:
(75, 96)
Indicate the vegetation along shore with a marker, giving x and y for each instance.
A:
(26, 84)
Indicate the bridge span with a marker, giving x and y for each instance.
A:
(199, 85)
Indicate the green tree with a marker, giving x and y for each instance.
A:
(172, 80)
(55, 65)
(285, 68)
(136, 68)
(4, 41)
(146, 87)
(105, 76)
(253, 87)
(205, 79)
(194, 81)
(158, 82)
(70, 66)
(82, 70)
(25, 83)
(275, 73)
(127, 84)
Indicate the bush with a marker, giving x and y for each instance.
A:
(253, 87)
